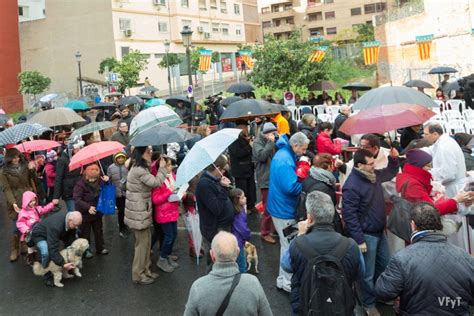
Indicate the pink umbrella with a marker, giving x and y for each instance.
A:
(384, 118)
(94, 152)
(37, 145)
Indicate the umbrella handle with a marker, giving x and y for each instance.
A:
(101, 169)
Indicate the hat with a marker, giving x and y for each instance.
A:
(306, 110)
(120, 154)
(268, 128)
(75, 143)
(418, 158)
(50, 155)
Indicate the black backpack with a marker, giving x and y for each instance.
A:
(325, 289)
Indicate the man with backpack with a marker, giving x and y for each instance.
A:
(323, 262)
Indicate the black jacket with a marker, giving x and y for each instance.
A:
(215, 208)
(240, 153)
(407, 136)
(467, 152)
(311, 133)
(184, 113)
(341, 118)
(65, 179)
(53, 230)
(427, 272)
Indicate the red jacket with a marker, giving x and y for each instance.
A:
(419, 189)
(324, 145)
(165, 212)
(50, 171)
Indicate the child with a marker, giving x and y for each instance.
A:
(166, 204)
(239, 227)
(29, 216)
(50, 172)
(117, 173)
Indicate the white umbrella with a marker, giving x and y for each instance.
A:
(49, 97)
(156, 116)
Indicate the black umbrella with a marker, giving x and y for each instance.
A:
(442, 70)
(161, 135)
(113, 94)
(247, 109)
(145, 97)
(148, 89)
(130, 100)
(173, 101)
(323, 85)
(358, 86)
(227, 101)
(104, 106)
(242, 87)
(418, 84)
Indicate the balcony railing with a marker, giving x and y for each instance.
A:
(408, 9)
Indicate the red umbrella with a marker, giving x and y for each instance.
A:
(37, 145)
(384, 118)
(94, 152)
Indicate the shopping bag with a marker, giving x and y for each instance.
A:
(106, 203)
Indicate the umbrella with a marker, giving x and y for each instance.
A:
(56, 117)
(386, 118)
(37, 145)
(160, 135)
(452, 86)
(358, 86)
(86, 99)
(94, 152)
(154, 102)
(39, 104)
(77, 105)
(21, 131)
(148, 89)
(113, 94)
(175, 99)
(3, 119)
(204, 153)
(104, 106)
(144, 96)
(323, 85)
(418, 84)
(49, 97)
(191, 220)
(393, 95)
(130, 100)
(247, 109)
(227, 101)
(91, 128)
(442, 70)
(242, 87)
(156, 116)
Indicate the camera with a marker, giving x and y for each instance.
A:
(214, 108)
(291, 231)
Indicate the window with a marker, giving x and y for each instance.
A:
(205, 26)
(124, 50)
(265, 10)
(23, 11)
(374, 7)
(238, 31)
(185, 3)
(318, 16)
(223, 7)
(125, 24)
(288, 6)
(215, 27)
(275, 8)
(290, 21)
(236, 9)
(213, 4)
(225, 29)
(331, 30)
(356, 11)
(202, 5)
(311, 3)
(330, 15)
(186, 23)
(266, 24)
(276, 22)
(328, 1)
(316, 31)
(162, 27)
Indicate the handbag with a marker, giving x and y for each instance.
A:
(226, 300)
(106, 202)
(399, 219)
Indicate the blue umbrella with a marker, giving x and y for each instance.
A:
(77, 105)
(154, 102)
(21, 131)
(204, 153)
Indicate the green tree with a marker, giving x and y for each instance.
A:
(33, 82)
(365, 33)
(129, 69)
(174, 59)
(110, 62)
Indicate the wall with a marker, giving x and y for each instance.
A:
(32, 10)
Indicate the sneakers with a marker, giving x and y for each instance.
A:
(269, 239)
(173, 263)
(88, 254)
(145, 280)
(164, 265)
(123, 234)
(103, 252)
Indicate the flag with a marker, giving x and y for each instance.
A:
(205, 60)
(424, 46)
(371, 52)
(246, 56)
(317, 54)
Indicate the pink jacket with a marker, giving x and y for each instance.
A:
(165, 212)
(28, 217)
(50, 171)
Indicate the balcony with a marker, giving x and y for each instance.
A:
(408, 9)
(279, 14)
(284, 28)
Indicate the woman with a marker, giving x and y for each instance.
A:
(138, 210)
(324, 143)
(308, 127)
(440, 95)
(339, 99)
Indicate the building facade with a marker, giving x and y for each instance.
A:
(30, 10)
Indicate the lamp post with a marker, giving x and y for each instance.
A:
(167, 50)
(186, 35)
(78, 59)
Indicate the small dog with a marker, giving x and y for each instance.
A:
(251, 252)
(72, 254)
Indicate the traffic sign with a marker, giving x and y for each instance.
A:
(113, 76)
(190, 91)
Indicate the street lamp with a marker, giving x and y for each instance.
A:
(167, 50)
(78, 59)
(186, 35)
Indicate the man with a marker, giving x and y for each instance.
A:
(284, 189)
(282, 123)
(317, 234)
(444, 83)
(47, 234)
(209, 292)
(410, 133)
(183, 112)
(431, 276)
(363, 210)
(312, 99)
(344, 113)
(126, 116)
(263, 151)
(216, 211)
(121, 135)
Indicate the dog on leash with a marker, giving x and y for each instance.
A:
(71, 254)
(251, 252)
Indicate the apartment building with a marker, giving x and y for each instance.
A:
(30, 10)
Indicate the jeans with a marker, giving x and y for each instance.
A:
(170, 230)
(284, 278)
(70, 205)
(241, 261)
(266, 227)
(42, 246)
(376, 259)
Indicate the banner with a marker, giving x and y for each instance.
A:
(205, 60)
(246, 56)
(424, 46)
(318, 54)
(371, 52)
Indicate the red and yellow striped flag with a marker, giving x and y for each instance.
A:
(424, 46)
(371, 52)
(205, 60)
(246, 56)
(318, 54)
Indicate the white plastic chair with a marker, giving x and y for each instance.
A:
(468, 115)
(455, 126)
(324, 117)
(469, 125)
(295, 114)
(441, 104)
(436, 110)
(458, 105)
(451, 115)
(319, 109)
(333, 109)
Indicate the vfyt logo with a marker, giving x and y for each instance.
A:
(449, 302)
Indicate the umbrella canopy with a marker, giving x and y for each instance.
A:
(3, 119)
(21, 131)
(452, 86)
(49, 97)
(418, 84)
(229, 100)
(113, 94)
(173, 101)
(242, 87)
(191, 220)
(358, 86)
(154, 102)
(386, 118)
(323, 85)
(156, 116)
(39, 104)
(91, 128)
(160, 135)
(144, 96)
(393, 95)
(86, 98)
(56, 117)
(77, 105)
(442, 70)
(148, 89)
(204, 153)
(37, 145)
(130, 100)
(247, 109)
(94, 152)
(104, 106)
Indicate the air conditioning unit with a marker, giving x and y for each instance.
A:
(127, 33)
(157, 2)
(200, 29)
(207, 35)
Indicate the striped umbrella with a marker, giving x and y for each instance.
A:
(91, 128)
(21, 131)
(156, 116)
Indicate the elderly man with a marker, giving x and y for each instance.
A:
(284, 189)
(121, 135)
(317, 237)
(431, 277)
(344, 113)
(224, 288)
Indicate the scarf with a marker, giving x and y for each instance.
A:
(322, 175)
(170, 182)
(372, 177)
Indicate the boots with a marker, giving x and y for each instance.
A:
(30, 258)
(23, 248)
(15, 244)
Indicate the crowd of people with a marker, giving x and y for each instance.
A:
(316, 203)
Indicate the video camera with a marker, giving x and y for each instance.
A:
(214, 108)
(467, 87)
(214, 99)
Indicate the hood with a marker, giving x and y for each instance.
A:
(283, 142)
(12, 153)
(416, 173)
(302, 126)
(28, 196)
